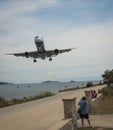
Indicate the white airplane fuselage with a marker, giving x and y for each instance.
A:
(39, 44)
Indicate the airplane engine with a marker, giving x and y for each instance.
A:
(56, 51)
(26, 54)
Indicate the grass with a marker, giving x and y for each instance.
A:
(105, 106)
(108, 91)
(6, 103)
(68, 89)
(95, 128)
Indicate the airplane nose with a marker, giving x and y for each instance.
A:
(36, 37)
(38, 40)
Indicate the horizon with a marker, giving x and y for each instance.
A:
(66, 81)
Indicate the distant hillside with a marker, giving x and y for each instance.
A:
(50, 81)
(3, 83)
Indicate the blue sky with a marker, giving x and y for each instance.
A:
(87, 24)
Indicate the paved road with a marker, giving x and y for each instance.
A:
(37, 115)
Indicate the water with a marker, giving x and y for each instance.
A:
(10, 91)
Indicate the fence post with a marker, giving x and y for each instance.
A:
(70, 111)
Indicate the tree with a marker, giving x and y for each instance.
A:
(108, 76)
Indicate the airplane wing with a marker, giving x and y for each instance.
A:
(42, 55)
(24, 54)
(35, 53)
(55, 52)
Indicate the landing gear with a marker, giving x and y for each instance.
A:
(34, 60)
(50, 59)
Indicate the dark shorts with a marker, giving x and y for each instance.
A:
(86, 116)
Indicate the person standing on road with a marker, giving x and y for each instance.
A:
(83, 103)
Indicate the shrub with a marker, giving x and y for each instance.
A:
(89, 84)
(108, 91)
(4, 102)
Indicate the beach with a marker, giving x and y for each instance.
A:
(39, 114)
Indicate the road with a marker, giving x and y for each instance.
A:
(38, 115)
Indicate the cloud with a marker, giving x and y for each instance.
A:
(92, 57)
(25, 6)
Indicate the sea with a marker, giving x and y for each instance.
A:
(11, 91)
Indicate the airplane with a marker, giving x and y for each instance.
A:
(41, 51)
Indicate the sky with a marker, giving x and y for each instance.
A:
(86, 25)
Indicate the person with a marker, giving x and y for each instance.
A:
(94, 94)
(83, 103)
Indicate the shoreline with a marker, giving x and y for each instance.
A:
(11, 91)
(15, 101)
(9, 102)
